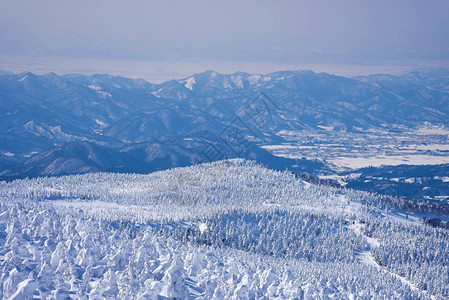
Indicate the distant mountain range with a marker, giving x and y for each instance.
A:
(53, 124)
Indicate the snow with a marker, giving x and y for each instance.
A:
(432, 147)
(343, 151)
(104, 94)
(99, 91)
(226, 84)
(411, 218)
(101, 123)
(357, 228)
(237, 80)
(429, 129)
(225, 230)
(189, 83)
(202, 227)
(254, 79)
(156, 93)
(327, 128)
(383, 160)
(278, 147)
(266, 78)
(365, 257)
(94, 87)
(25, 289)
(24, 78)
(443, 178)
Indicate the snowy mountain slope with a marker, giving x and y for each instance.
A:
(76, 157)
(40, 112)
(230, 229)
(167, 152)
(98, 259)
(435, 79)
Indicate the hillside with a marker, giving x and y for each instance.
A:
(230, 229)
(43, 112)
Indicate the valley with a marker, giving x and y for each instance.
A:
(224, 150)
(390, 146)
(291, 184)
(395, 161)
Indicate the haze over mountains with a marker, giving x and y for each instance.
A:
(74, 123)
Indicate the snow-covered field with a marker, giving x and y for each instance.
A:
(385, 160)
(226, 230)
(354, 150)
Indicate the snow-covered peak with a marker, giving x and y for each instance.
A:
(237, 80)
(189, 82)
(254, 79)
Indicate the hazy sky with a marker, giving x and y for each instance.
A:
(162, 39)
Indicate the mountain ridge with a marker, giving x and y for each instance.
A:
(44, 112)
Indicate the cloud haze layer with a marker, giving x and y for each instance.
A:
(276, 33)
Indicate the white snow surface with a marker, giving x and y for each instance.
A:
(365, 257)
(190, 82)
(24, 78)
(226, 230)
(94, 87)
